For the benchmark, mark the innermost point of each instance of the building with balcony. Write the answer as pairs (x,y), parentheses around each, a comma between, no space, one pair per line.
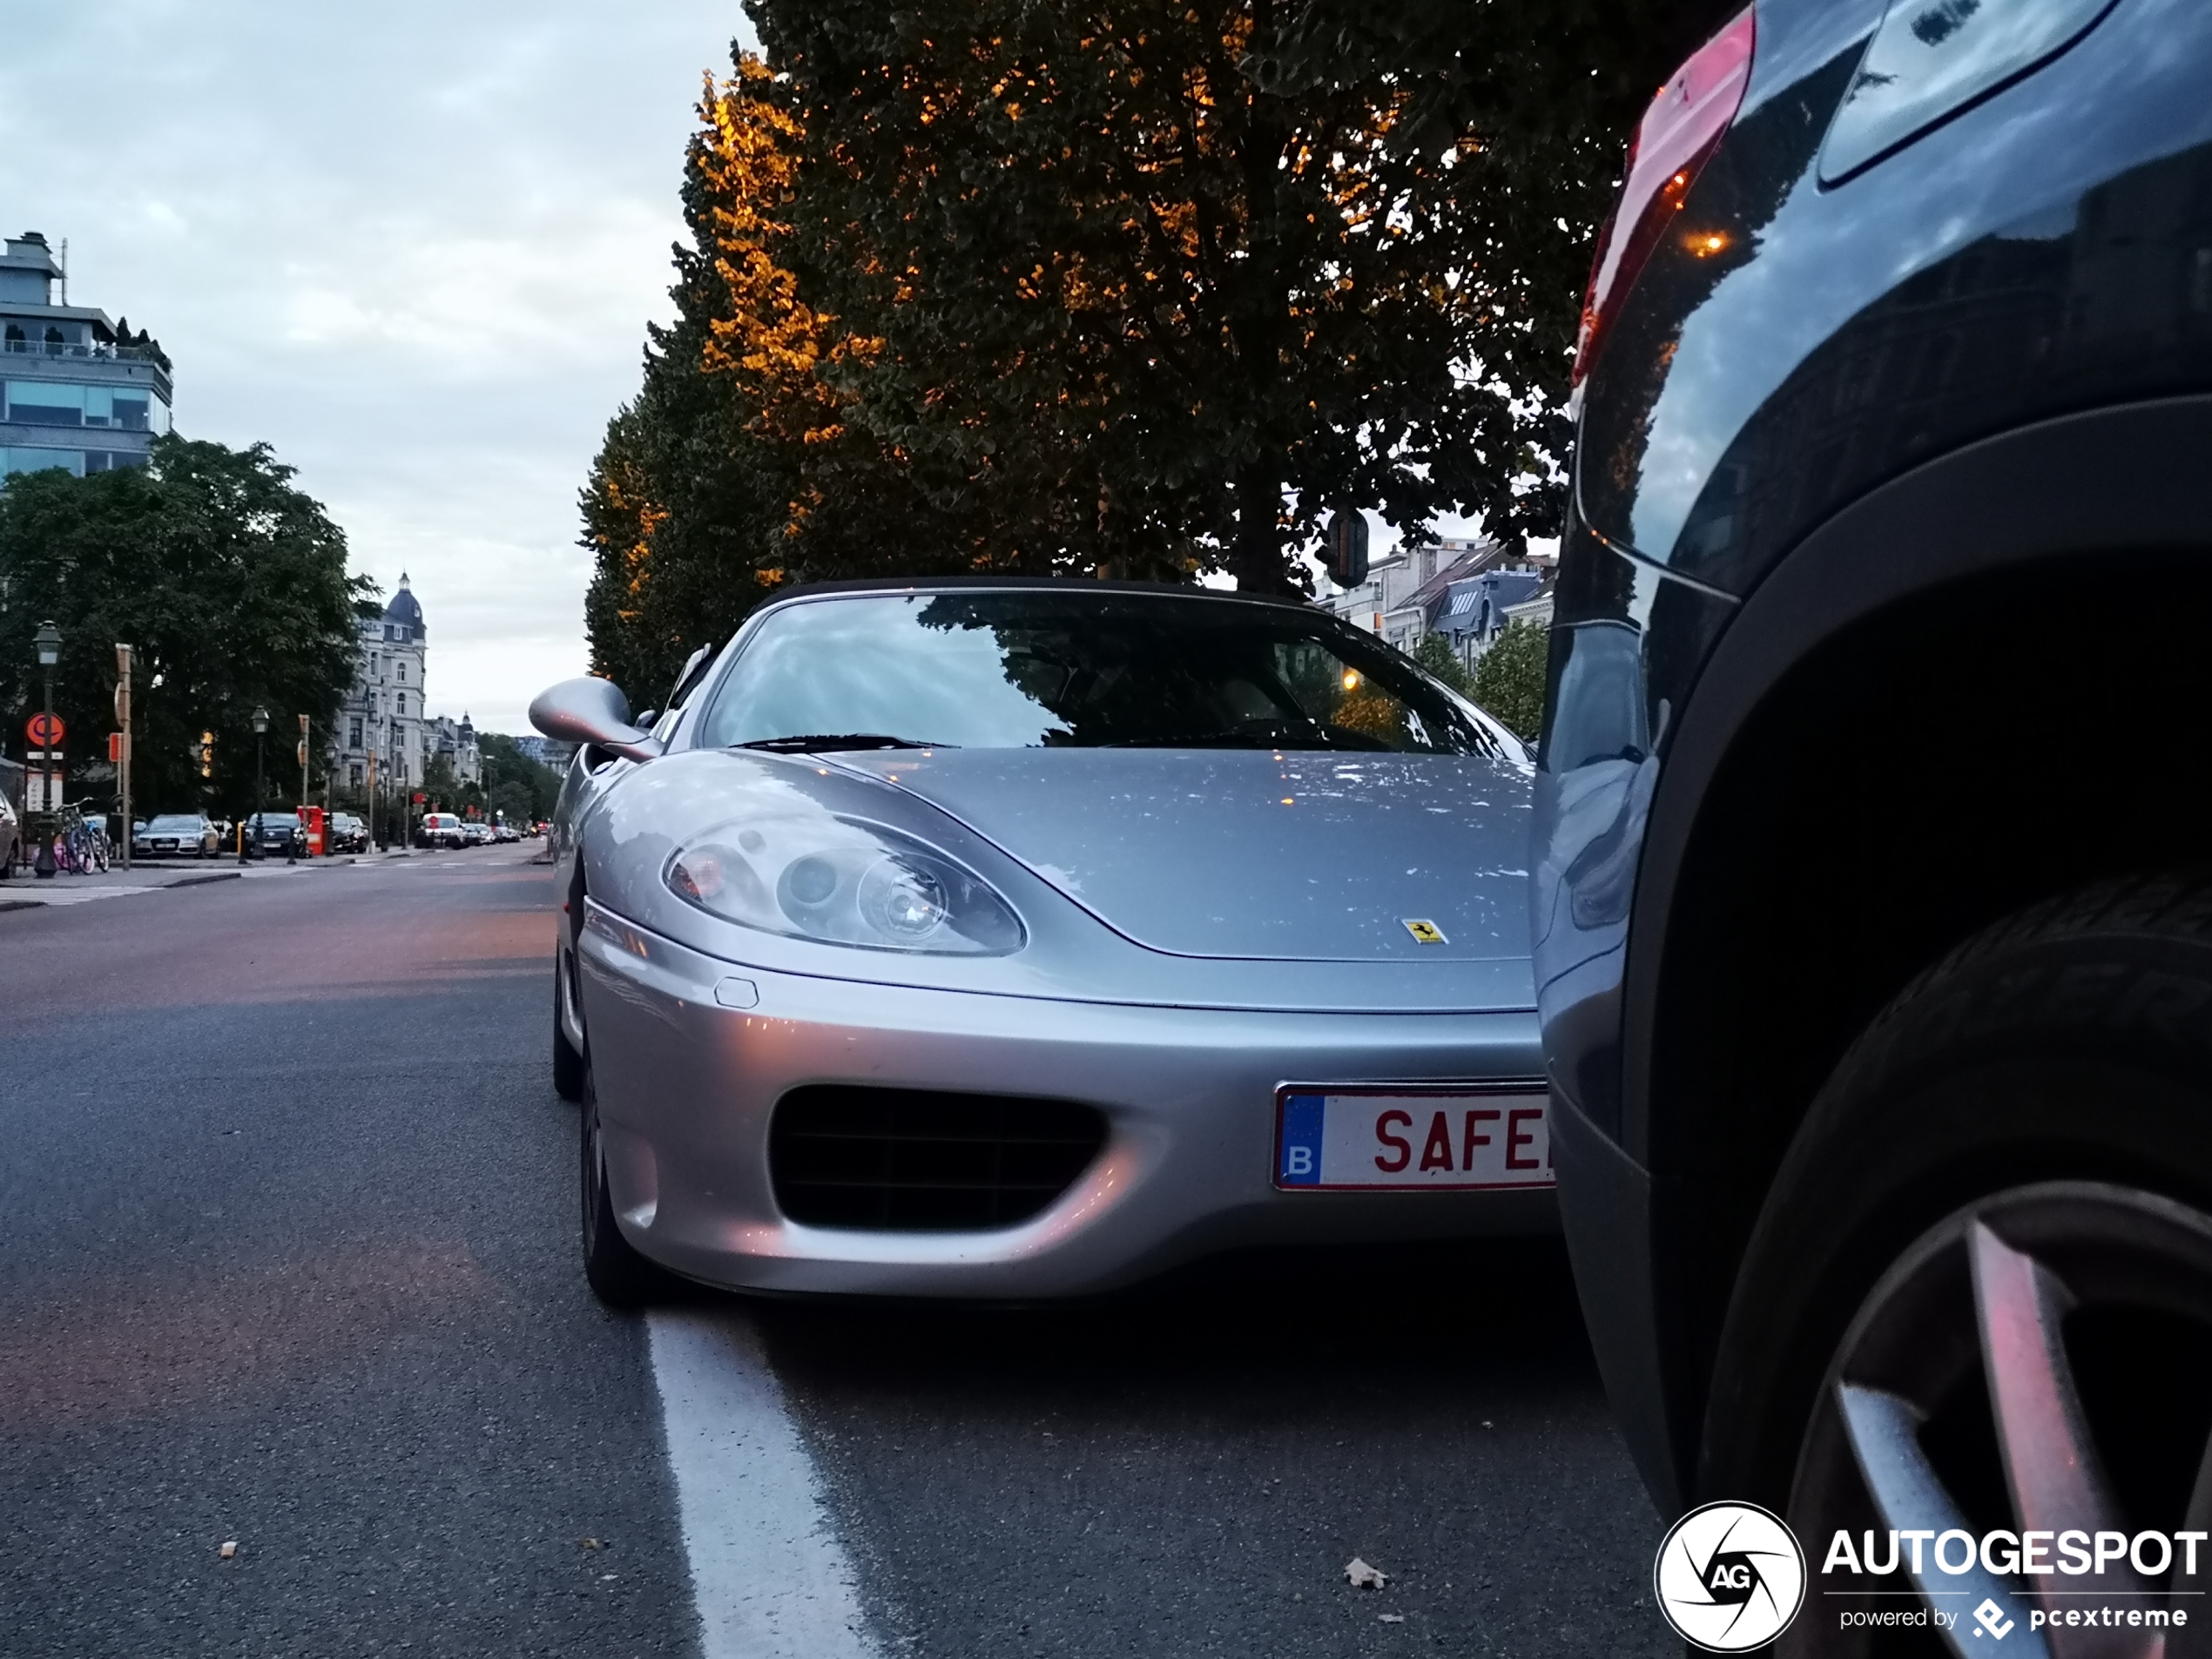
(78,390)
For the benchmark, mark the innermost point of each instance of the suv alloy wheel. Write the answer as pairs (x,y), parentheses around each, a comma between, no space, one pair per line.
(1981,1283)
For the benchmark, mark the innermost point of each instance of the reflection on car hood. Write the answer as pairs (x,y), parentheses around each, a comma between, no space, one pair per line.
(1304,855)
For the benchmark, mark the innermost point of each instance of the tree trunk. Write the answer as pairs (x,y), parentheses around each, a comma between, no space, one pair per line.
(1256,556)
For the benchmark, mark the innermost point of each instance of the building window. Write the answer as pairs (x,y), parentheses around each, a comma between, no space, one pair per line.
(354,773)
(353,738)
(401,669)
(400,705)
(43,403)
(22,460)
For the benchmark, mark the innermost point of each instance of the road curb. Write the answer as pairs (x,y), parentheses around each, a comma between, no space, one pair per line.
(201,881)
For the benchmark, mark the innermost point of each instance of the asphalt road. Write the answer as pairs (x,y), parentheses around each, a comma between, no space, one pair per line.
(289,1235)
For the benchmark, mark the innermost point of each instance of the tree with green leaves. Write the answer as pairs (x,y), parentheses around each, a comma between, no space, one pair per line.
(1508,677)
(516,784)
(229,581)
(1435,653)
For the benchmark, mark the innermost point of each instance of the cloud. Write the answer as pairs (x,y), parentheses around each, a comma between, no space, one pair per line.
(414,247)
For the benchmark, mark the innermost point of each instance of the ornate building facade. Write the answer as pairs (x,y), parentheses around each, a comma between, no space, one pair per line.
(385,716)
(382,718)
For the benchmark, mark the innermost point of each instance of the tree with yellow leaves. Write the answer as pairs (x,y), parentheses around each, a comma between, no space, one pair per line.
(1044,286)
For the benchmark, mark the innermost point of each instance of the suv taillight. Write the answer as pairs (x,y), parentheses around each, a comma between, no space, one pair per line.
(1672,143)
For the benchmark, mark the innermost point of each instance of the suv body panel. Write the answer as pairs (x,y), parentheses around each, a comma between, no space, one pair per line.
(1978,355)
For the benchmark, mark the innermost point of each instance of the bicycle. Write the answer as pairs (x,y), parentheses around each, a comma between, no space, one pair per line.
(81,847)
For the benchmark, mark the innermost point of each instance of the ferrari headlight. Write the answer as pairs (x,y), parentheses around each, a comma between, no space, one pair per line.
(843,882)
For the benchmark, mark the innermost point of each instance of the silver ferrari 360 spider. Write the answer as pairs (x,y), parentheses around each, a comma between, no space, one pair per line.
(1005,939)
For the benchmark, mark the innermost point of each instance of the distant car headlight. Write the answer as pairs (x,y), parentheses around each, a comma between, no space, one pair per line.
(843,882)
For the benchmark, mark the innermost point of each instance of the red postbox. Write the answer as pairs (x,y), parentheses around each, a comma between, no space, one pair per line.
(311,819)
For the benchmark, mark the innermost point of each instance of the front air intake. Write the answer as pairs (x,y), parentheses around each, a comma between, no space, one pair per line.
(916,1160)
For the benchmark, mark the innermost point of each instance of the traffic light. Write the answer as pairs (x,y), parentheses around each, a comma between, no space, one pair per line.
(207,754)
(1344,542)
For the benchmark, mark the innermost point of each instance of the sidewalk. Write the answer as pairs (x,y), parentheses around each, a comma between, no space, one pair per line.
(24,891)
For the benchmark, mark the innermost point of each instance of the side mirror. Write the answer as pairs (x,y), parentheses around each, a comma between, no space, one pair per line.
(592,712)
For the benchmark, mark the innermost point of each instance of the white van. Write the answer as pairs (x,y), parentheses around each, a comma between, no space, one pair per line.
(439,829)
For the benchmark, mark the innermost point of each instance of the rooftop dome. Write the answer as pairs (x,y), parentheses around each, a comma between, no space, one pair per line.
(404,609)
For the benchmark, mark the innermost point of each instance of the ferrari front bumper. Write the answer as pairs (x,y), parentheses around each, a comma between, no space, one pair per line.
(686,1085)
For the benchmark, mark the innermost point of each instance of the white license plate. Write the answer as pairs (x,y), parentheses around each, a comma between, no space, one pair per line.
(1402,1137)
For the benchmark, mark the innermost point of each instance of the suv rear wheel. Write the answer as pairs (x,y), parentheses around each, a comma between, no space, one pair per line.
(1987,1259)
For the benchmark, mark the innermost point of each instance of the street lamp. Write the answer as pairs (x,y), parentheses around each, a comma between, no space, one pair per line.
(260,719)
(49,641)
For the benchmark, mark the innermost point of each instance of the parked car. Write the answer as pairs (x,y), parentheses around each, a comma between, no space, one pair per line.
(439,830)
(346,833)
(504,832)
(474,832)
(176,835)
(10,836)
(1099,924)
(276,835)
(1873,948)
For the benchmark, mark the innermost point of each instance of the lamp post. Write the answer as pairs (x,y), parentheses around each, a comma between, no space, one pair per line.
(260,727)
(49,641)
(123,745)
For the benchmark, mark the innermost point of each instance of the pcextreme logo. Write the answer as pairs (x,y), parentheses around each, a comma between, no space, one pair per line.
(1730,1577)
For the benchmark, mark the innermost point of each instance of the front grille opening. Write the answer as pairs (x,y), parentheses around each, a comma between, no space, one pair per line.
(916,1160)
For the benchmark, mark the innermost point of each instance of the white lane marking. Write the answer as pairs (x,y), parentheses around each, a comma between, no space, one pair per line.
(770,1578)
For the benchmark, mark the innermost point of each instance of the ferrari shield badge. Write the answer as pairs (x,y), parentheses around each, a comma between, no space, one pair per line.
(1425,932)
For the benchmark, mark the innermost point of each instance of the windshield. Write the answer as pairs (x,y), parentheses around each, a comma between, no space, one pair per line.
(172,823)
(1039,669)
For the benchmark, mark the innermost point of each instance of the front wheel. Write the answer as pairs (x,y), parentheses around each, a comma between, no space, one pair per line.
(568,1064)
(618,1276)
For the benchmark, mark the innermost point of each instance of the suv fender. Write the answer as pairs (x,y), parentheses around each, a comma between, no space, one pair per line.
(1721,1059)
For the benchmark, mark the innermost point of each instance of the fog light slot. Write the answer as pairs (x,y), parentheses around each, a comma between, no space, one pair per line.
(915,1160)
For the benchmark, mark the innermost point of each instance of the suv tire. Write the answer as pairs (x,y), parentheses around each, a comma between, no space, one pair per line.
(2070,1044)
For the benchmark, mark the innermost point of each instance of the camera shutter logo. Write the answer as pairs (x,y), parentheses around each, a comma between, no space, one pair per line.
(1730,1577)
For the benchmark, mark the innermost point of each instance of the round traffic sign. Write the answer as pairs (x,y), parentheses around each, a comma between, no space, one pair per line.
(45,731)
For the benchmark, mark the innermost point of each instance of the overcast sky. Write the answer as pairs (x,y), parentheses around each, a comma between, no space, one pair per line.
(414,247)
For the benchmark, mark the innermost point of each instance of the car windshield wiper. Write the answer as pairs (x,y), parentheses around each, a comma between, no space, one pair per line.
(814,742)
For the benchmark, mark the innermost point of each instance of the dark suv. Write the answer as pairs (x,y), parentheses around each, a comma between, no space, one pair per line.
(276,835)
(1874,930)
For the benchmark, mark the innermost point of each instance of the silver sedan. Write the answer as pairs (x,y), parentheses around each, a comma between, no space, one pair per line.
(1006,940)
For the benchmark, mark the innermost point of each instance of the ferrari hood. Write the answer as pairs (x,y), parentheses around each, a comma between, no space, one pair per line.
(1302,855)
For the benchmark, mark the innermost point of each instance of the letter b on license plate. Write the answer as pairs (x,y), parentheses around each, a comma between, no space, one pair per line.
(1404,1138)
